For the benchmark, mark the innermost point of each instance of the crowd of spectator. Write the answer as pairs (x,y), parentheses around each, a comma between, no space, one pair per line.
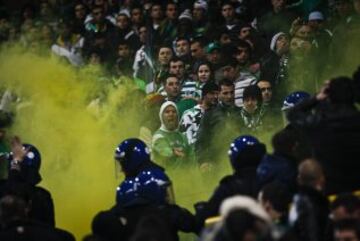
(211,76)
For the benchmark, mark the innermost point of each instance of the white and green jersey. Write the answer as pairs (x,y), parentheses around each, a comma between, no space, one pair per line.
(190,122)
(163,144)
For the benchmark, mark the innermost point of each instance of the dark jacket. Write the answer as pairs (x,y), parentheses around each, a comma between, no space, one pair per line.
(219,125)
(29,230)
(312,214)
(42,206)
(242,182)
(334,134)
(119,223)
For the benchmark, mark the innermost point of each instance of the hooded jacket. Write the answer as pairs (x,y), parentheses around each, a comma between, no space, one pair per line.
(165,141)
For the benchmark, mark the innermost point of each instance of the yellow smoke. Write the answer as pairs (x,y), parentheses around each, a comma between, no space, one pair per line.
(77,139)
(76,142)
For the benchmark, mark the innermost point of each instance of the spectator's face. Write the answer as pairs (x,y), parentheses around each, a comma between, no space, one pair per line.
(156,12)
(80,11)
(211,98)
(182,47)
(204,73)
(94,59)
(304,32)
(225,39)
(340,213)
(282,45)
(197,13)
(46,31)
(357,6)
(123,50)
(343,8)
(177,68)
(214,56)
(122,22)
(65,33)
(299,46)
(98,14)
(28,13)
(250,236)
(45,9)
(171,11)
(226,94)
(278,5)
(315,25)
(172,87)
(197,52)
(266,90)
(136,16)
(170,118)
(228,12)
(250,104)
(229,72)
(345,235)
(165,54)
(244,33)
(242,55)
(142,34)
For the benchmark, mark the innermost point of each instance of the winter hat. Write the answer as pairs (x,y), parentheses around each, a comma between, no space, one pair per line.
(201,4)
(211,47)
(246,204)
(316,16)
(274,39)
(125,12)
(162,109)
(186,15)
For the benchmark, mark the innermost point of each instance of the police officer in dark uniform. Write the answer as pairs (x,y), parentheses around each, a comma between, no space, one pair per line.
(146,191)
(25,161)
(245,154)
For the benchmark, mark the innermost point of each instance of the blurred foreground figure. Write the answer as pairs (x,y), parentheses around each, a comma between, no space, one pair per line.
(332,125)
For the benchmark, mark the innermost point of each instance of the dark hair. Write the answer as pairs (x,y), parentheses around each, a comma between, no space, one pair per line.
(170,76)
(201,40)
(348,224)
(230,62)
(243,44)
(253,91)
(164,45)
(278,195)
(347,200)
(176,59)
(226,82)
(341,91)
(228,2)
(200,63)
(182,38)
(123,42)
(209,87)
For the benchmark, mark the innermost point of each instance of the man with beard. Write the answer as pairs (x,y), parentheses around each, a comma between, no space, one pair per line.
(169,146)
